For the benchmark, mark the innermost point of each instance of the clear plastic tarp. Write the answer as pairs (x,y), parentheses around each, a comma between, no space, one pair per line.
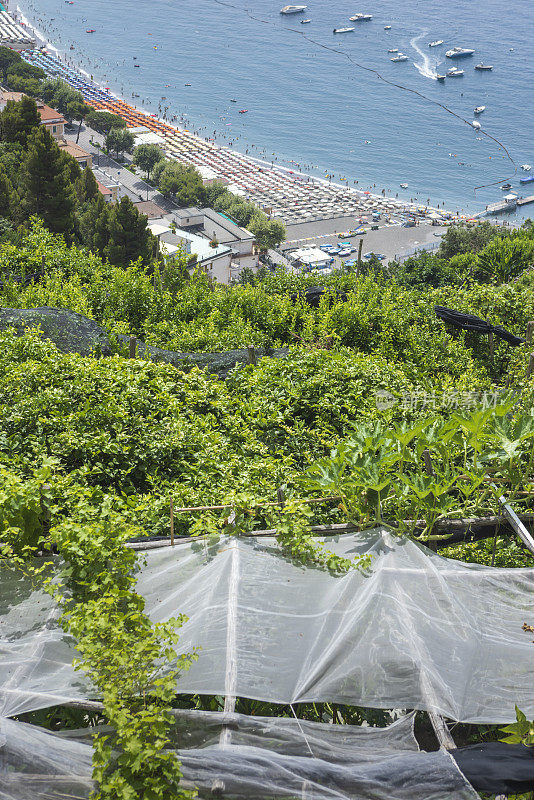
(416,631)
(247,757)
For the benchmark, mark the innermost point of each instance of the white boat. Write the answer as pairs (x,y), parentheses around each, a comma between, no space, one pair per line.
(476,125)
(361,17)
(436,43)
(484,67)
(400,57)
(480,109)
(526,167)
(403,185)
(455,73)
(459,52)
(305,21)
(343,30)
(293,9)
(387,27)
(394,50)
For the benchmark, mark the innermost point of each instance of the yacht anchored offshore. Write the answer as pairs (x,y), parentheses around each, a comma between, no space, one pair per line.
(400,57)
(293,9)
(459,52)
(361,17)
(436,43)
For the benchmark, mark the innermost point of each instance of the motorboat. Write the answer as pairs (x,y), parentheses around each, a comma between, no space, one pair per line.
(343,30)
(293,9)
(527,179)
(484,67)
(305,21)
(394,50)
(436,43)
(480,109)
(400,57)
(243,111)
(361,18)
(90,30)
(455,73)
(440,77)
(476,125)
(403,185)
(459,52)
(387,27)
(526,167)
(506,187)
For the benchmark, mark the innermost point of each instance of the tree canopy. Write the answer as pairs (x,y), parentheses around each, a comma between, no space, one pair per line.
(120,140)
(104,121)
(146,156)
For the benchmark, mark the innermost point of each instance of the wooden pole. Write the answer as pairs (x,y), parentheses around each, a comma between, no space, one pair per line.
(530,332)
(281,496)
(252,355)
(432,545)
(360,248)
(491,345)
(43,262)
(530,369)
(172,521)
(133,346)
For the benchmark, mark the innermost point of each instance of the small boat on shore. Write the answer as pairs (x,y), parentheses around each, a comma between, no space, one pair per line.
(343,30)
(400,57)
(455,73)
(480,109)
(436,43)
(484,67)
(293,9)
(459,52)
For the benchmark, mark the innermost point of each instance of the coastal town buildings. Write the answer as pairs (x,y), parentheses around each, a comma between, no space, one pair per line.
(214,225)
(83,158)
(53,121)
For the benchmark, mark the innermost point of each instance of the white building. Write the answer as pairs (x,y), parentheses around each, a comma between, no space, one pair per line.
(310,258)
(216,261)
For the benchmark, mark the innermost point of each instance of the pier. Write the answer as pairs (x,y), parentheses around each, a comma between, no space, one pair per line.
(524,201)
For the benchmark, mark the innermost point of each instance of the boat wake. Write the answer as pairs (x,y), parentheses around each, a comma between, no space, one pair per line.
(428,63)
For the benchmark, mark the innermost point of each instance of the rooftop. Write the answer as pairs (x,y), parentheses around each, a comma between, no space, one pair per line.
(150,209)
(48,114)
(73,149)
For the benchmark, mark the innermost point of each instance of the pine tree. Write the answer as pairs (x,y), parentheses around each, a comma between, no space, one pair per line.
(6,194)
(129,237)
(94,224)
(89,186)
(46,189)
(18,121)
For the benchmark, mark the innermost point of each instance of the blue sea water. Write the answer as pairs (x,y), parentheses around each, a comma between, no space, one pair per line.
(331,103)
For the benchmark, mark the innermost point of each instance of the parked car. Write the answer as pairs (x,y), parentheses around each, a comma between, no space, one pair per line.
(345,252)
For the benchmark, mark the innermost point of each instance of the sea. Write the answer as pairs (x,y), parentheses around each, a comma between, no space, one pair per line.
(331,104)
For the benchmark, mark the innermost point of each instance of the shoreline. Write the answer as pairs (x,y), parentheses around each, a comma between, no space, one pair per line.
(390,206)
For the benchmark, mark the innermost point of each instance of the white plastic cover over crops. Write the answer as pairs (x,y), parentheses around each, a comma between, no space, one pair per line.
(416,631)
(265,757)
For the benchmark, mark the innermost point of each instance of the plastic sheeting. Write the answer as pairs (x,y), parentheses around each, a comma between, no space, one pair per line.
(416,631)
(263,758)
